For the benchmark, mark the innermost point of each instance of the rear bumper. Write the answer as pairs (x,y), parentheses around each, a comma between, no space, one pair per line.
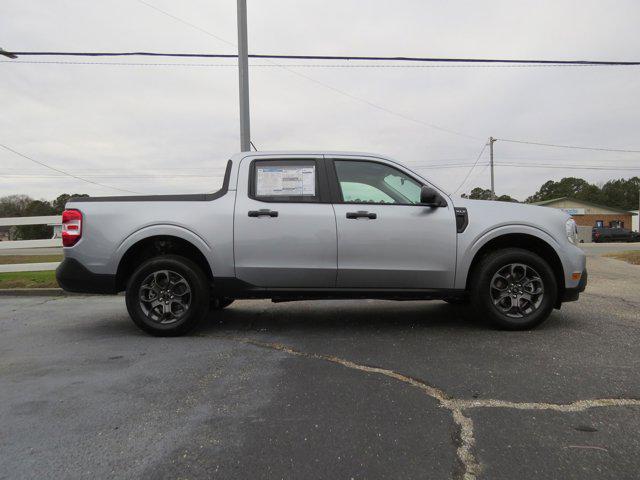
(75,277)
(572,294)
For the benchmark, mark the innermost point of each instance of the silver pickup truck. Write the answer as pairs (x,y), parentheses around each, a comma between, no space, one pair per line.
(300,225)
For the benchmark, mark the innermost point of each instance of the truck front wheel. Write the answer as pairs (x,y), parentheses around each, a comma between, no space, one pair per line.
(167,296)
(514,288)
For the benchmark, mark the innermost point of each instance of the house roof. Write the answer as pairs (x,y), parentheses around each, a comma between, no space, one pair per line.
(553,200)
(544,202)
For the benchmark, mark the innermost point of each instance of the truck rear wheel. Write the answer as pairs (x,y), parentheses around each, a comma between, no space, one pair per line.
(514,288)
(167,296)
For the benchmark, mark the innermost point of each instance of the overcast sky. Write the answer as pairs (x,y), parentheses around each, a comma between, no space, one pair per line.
(170,128)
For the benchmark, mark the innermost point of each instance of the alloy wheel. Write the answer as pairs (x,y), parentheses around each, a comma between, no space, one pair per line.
(517,290)
(165,296)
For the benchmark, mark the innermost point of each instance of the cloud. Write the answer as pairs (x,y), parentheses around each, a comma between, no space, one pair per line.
(171,128)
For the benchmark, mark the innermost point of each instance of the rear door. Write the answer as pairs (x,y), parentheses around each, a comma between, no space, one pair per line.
(386,239)
(284,225)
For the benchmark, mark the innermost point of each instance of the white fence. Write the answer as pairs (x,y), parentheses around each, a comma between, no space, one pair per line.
(54,221)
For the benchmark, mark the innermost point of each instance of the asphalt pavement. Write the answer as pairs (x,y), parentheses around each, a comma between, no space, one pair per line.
(333,389)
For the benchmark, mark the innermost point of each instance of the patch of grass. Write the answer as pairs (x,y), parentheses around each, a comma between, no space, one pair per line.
(28,280)
(632,257)
(14,259)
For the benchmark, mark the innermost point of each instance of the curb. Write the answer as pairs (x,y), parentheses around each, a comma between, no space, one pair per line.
(50,292)
(34,292)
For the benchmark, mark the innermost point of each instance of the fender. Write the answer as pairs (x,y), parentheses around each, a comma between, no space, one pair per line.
(470,251)
(161,230)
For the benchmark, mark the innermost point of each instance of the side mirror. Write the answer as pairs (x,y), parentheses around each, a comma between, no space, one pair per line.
(428,196)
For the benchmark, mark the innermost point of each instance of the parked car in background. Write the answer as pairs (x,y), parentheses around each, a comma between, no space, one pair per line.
(300,225)
(609,234)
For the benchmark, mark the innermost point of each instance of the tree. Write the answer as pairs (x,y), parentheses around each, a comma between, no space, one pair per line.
(59,203)
(25,206)
(14,205)
(30,232)
(480,193)
(622,193)
(567,187)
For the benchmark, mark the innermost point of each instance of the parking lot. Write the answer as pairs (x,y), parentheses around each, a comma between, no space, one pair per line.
(334,389)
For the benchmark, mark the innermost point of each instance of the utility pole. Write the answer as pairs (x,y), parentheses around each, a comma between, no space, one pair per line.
(493,190)
(243,77)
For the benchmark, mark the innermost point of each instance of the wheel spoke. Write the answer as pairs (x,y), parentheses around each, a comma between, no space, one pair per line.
(517,271)
(180,287)
(516,290)
(165,296)
(500,282)
(500,299)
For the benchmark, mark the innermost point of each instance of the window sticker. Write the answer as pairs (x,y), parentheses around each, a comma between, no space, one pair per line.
(285,181)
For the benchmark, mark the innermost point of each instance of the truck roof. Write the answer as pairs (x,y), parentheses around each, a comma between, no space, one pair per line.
(241,155)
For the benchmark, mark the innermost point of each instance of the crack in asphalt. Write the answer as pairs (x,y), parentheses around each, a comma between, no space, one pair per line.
(44,301)
(466,439)
(626,301)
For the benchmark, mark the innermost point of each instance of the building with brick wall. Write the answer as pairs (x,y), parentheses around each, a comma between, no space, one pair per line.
(588,215)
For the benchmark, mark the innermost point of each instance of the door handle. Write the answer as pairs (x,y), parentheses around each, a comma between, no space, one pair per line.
(265,212)
(362,214)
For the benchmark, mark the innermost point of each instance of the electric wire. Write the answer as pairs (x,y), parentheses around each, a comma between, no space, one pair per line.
(319,57)
(323,84)
(280,65)
(471,169)
(555,145)
(62,171)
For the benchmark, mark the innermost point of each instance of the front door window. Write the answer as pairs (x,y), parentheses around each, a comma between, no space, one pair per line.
(372,182)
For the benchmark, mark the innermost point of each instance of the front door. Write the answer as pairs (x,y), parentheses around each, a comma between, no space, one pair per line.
(284,225)
(386,239)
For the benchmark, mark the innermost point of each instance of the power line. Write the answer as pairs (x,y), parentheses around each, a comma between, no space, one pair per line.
(318,82)
(62,171)
(480,172)
(554,145)
(289,65)
(185,22)
(471,169)
(320,57)
(572,167)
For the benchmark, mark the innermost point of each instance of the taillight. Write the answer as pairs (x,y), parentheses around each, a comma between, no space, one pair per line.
(71,227)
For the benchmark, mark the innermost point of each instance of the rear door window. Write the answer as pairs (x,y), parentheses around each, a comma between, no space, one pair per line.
(284,181)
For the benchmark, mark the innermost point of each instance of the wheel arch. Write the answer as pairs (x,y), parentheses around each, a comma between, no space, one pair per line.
(527,240)
(152,242)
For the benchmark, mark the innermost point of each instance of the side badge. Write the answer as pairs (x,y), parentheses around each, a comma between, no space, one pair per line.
(462,219)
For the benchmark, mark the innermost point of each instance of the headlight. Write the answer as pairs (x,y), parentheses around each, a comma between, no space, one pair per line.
(572,231)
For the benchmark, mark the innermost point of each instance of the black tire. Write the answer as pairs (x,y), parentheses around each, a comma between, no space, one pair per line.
(197,296)
(218,303)
(489,269)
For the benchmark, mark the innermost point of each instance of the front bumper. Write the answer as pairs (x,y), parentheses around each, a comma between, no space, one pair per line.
(72,276)
(572,294)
